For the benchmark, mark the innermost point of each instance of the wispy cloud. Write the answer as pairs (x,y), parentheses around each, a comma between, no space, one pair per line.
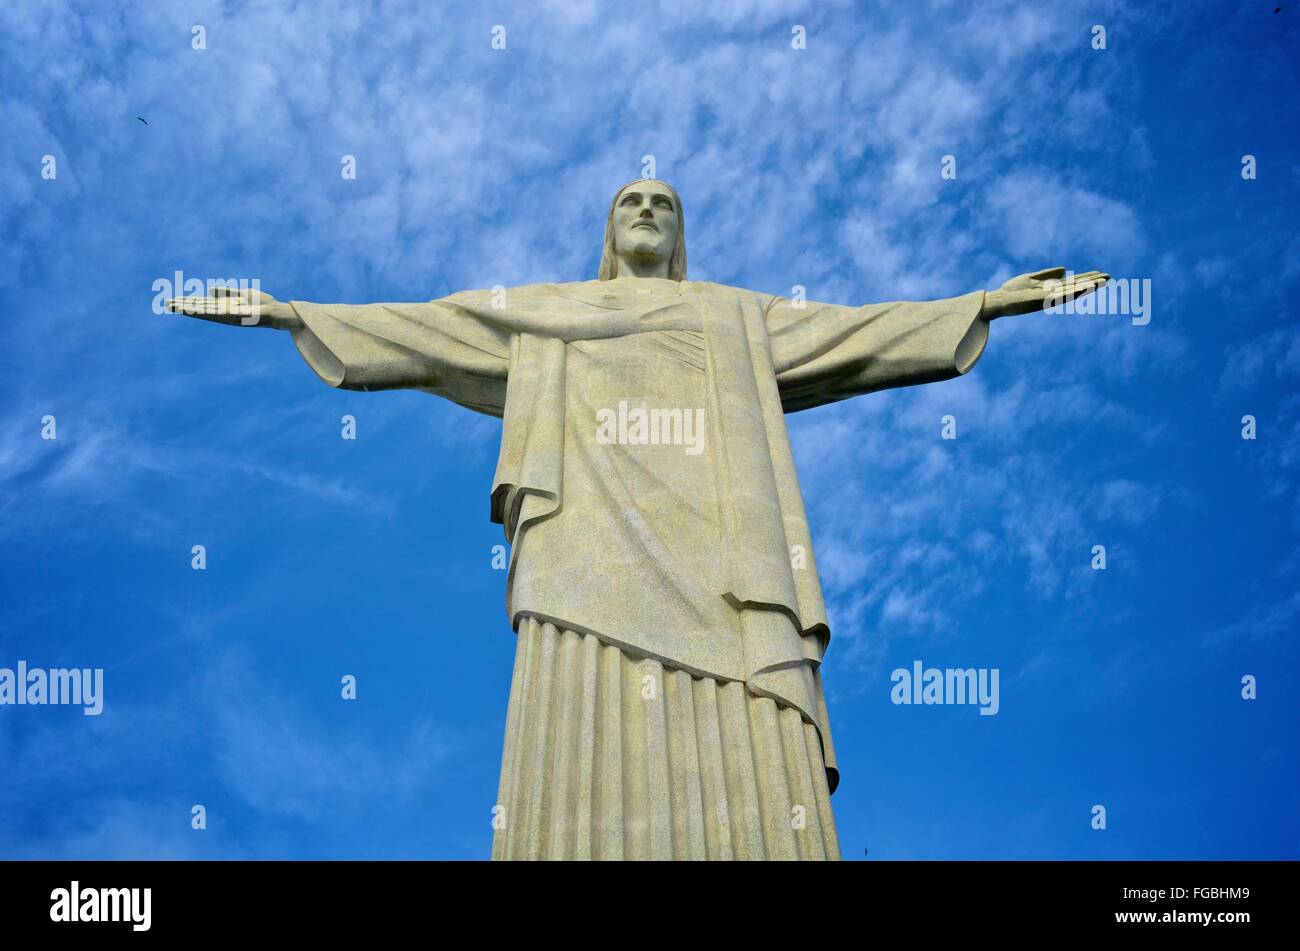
(279,760)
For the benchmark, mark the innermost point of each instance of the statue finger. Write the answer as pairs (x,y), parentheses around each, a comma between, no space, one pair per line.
(1095,278)
(1048,274)
(1079,288)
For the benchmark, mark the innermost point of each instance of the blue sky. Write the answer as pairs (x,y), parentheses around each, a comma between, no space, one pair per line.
(817,167)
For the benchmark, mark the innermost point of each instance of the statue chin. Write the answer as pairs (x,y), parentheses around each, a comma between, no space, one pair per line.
(647,251)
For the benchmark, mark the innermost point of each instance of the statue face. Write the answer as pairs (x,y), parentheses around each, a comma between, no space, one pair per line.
(645,222)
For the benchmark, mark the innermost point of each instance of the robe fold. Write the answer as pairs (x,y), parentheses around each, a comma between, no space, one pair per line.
(699,560)
(592,769)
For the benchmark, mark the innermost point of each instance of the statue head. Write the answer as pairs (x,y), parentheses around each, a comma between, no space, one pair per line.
(645,233)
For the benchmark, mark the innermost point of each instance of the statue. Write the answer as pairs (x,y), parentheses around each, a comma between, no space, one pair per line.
(666,700)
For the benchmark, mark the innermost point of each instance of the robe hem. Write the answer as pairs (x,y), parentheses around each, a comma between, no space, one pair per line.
(832,772)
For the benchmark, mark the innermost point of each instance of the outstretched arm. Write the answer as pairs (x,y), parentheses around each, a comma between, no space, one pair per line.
(823,353)
(449,347)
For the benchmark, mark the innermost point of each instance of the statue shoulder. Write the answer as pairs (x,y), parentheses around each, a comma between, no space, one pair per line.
(505,295)
(727,290)
(596,293)
(540,288)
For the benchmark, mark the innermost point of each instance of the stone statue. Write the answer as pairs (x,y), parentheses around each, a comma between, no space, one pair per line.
(666,699)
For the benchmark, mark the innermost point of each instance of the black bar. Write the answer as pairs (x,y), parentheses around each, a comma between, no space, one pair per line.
(870,899)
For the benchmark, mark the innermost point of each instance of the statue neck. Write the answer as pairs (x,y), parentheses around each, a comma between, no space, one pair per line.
(633,266)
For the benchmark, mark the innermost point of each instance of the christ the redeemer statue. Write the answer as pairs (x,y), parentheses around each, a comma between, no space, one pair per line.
(666,699)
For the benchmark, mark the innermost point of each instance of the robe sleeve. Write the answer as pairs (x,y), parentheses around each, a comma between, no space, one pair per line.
(823,353)
(449,347)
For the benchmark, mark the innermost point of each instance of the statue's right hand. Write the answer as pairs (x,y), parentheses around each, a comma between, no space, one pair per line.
(239,307)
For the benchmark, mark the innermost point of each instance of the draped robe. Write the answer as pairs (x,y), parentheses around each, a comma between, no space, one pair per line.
(700,562)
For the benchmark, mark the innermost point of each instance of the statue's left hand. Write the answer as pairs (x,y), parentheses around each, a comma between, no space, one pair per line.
(1032,292)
